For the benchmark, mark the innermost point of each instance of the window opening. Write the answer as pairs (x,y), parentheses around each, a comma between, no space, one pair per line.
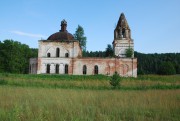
(84,69)
(57,52)
(95,69)
(66,69)
(57,69)
(48,69)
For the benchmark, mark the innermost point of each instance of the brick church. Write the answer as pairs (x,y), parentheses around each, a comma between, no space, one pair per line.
(62,54)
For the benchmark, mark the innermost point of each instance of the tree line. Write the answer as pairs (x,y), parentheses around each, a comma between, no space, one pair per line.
(165,63)
(14,58)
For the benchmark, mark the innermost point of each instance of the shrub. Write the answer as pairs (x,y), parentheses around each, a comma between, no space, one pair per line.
(129,52)
(115,80)
(166,68)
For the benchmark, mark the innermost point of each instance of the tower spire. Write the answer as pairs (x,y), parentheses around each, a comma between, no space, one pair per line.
(122,29)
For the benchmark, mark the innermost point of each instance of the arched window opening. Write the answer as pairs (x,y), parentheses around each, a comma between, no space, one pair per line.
(48,54)
(95,69)
(57,69)
(66,69)
(67,55)
(57,52)
(118,34)
(84,69)
(48,69)
(123,33)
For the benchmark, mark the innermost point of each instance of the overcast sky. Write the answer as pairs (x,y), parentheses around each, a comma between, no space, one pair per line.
(155,24)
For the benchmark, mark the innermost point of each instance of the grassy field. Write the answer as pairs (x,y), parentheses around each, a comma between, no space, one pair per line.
(97,82)
(88,98)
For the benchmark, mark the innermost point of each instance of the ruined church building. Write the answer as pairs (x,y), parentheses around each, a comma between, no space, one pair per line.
(62,54)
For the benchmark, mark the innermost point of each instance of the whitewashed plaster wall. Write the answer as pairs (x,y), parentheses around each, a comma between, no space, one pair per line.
(120,47)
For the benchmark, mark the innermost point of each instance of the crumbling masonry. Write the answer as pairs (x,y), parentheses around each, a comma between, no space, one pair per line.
(62,54)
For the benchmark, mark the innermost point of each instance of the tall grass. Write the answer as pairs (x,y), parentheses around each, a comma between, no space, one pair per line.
(43,104)
(97,82)
(88,98)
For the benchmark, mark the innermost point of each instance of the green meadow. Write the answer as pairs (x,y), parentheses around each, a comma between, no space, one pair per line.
(88,98)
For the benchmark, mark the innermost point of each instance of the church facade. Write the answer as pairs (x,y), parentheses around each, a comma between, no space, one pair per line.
(62,54)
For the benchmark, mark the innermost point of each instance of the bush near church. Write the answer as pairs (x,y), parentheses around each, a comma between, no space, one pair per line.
(129,52)
(115,80)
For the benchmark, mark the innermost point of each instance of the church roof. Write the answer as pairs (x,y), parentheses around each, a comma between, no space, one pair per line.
(62,35)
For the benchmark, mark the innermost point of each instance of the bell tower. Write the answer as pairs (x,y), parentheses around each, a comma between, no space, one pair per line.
(122,37)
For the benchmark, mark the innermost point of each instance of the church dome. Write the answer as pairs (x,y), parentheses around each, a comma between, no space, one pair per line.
(62,35)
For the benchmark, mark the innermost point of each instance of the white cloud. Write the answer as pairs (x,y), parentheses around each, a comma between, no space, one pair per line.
(28,34)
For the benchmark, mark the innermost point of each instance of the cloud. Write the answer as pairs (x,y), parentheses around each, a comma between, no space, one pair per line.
(28,34)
